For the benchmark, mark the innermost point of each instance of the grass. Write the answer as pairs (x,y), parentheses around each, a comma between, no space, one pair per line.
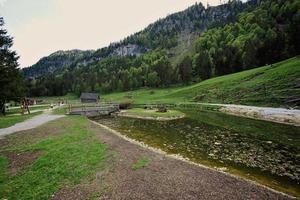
(141,163)
(152,113)
(61,110)
(3,163)
(10,120)
(54,99)
(271,85)
(69,157)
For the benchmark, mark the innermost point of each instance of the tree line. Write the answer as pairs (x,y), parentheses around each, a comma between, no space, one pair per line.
(259,36)
(11,80)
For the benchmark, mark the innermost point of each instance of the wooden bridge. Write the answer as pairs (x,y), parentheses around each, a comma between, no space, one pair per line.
(93,110)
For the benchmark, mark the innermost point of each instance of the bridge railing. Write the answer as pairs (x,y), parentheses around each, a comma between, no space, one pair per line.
(99,107)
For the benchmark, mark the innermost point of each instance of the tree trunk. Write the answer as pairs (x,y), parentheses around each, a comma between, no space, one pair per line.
(2,106)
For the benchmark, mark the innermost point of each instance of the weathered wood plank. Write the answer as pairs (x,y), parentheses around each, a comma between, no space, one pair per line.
(106,109)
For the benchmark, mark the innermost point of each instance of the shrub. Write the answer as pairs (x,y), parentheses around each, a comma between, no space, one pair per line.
(126,103)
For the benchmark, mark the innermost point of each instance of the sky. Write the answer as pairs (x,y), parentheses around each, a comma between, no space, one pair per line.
(41,27)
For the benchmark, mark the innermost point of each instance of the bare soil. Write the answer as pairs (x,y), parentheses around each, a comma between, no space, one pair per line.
(18,161)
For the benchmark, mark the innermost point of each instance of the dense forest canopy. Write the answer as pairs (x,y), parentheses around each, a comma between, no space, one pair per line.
(231,38)
(11,82)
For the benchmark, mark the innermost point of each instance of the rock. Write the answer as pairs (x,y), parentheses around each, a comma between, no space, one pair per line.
(162,109)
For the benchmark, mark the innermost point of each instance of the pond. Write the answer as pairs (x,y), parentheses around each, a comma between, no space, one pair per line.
(266,152)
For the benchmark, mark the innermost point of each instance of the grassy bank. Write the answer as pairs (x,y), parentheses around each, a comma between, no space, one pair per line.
(10,120)
(68,153)
(140,112)
(272,85)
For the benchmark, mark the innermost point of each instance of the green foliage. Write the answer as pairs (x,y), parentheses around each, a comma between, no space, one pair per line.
(3,163)
(202,65)
(11,82)
(185,69)
(60,111)
(125,103)
(153,113)
(141,163)
(106,70)
(152,79)
(259,37)
(272,85)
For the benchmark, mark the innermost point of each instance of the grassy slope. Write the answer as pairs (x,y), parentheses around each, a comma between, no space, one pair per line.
(69,154)
(266,86)
(55,99)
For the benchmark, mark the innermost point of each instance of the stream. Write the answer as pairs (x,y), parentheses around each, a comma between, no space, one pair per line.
(266,152)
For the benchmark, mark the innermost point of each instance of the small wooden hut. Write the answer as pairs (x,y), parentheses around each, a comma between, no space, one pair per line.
(89,97)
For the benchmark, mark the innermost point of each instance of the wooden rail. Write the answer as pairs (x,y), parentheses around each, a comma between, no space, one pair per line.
(93,110)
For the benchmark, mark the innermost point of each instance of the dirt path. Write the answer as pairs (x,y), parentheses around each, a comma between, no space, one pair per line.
(280,115)
(163,178)
(29,124)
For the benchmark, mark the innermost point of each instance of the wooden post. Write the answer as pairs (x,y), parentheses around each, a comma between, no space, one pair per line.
(22,107)
(27,107)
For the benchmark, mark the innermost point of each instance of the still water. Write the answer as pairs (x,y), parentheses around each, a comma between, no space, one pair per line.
(266,152)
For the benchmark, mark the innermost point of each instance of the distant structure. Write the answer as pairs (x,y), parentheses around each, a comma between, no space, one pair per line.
(89,97)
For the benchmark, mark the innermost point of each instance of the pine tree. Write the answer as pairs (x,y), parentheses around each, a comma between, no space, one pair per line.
(11,87)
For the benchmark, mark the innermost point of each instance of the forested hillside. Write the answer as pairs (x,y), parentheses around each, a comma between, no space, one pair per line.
(272,85)
(185,47)
(55,63)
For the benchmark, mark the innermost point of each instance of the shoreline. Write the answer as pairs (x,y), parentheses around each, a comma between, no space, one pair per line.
(186,160)
(277,115)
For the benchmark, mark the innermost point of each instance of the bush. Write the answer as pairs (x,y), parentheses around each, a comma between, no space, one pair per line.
(125,104)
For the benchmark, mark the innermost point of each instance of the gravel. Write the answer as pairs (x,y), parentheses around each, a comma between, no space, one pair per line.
(29,124)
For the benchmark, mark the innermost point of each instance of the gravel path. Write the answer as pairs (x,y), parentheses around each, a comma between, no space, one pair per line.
(163,178)
(280,115)
(29,124)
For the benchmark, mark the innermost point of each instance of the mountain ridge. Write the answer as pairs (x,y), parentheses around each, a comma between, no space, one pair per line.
(160,34)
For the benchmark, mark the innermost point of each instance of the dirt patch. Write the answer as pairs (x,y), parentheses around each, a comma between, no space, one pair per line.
(18,161)
(70,194)
(165,177)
